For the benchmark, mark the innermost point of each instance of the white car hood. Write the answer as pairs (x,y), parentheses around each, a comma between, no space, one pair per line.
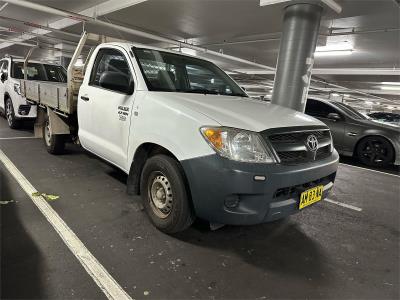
(243,113)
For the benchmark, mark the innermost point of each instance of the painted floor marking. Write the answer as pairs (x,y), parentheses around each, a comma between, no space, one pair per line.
(384,173)
(18,138)
(343,204)
(103,279)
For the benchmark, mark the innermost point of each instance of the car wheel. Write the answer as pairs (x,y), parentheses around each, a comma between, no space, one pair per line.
(165,196)
(55,143)
(375,151)
(13,123)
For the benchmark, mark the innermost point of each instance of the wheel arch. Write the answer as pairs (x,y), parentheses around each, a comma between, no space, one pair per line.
(375,135)
(142,154)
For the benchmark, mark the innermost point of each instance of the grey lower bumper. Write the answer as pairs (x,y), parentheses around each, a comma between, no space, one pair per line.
(215,182)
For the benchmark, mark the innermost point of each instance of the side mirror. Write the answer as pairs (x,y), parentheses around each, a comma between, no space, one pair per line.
(334,117)
(3,76)
(243,88)
(117,82)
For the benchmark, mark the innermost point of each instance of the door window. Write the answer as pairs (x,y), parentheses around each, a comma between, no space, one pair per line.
(319,109)
(109,60)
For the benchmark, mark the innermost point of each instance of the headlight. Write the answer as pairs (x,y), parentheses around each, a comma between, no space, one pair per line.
(237,144)
(17,88)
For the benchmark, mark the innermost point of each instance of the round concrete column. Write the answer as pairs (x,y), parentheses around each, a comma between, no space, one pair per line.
(296,55)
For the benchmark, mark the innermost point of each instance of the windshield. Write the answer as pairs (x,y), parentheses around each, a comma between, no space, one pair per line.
(350,111)
(168,72)
(41,72)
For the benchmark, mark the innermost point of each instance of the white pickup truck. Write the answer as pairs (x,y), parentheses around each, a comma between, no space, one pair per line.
(12,104)
(193,143)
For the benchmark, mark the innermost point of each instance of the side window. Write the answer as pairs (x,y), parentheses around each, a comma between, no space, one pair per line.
(319,109)
(110,61)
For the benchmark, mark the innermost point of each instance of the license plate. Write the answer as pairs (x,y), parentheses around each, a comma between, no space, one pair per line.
(311,196)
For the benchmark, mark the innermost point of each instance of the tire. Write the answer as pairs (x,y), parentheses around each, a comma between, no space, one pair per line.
(13,123)
(55,143)
(375,151)
(165,195)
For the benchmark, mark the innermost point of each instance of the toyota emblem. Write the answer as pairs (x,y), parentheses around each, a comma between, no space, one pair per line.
(312,143)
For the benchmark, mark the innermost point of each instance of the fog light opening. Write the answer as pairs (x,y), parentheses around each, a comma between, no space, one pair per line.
(232,201)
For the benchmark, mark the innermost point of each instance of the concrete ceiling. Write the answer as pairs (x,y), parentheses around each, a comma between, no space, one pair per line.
(239,28)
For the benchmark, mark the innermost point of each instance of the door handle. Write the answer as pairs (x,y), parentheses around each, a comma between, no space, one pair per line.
(84,98)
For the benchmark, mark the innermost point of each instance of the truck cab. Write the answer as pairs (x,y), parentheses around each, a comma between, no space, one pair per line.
(12,104)
(194,144)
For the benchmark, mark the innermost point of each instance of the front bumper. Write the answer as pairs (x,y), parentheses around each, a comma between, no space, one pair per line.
(216,183)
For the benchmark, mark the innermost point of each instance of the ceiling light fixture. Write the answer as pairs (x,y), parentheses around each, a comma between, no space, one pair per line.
(390,88)
(334,53)
(391,83)
(338,49)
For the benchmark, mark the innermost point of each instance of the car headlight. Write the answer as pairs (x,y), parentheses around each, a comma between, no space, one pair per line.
(17,88)
(237,144)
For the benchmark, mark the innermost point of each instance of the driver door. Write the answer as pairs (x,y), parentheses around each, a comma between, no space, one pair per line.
(107,111)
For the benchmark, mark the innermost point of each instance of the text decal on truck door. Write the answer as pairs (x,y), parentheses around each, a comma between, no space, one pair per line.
(123,112)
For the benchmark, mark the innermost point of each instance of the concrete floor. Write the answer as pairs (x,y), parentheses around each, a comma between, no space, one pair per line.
(327,251)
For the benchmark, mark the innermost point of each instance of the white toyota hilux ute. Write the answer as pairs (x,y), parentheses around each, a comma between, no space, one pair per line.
(193,143)
(12,104)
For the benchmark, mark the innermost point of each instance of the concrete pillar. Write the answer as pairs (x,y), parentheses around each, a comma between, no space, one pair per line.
(296,55)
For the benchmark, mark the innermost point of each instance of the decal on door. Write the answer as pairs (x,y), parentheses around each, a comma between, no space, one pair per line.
(123,112)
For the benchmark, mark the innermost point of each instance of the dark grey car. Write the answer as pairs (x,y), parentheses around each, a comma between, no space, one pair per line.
(374,144)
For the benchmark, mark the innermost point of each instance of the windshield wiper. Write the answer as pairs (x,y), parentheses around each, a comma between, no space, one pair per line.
(202,91)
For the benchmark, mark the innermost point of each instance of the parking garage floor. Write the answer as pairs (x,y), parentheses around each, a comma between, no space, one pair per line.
(345,248)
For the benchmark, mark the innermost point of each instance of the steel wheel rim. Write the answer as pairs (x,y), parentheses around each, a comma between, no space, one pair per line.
(9,113)
(47,133)
(160,195)
(375,151)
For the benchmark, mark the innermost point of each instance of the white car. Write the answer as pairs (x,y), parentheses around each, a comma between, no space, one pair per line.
(12,104)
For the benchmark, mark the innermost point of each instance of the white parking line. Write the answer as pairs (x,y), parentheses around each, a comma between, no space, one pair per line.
(103,279)
(343,204)
(18,138)
(380,172)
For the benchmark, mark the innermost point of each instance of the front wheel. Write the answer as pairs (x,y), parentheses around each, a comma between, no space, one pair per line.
(13,123)
(55,143)
(375,151)
(165,195)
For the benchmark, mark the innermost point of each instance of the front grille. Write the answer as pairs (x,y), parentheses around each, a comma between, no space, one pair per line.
(290,144)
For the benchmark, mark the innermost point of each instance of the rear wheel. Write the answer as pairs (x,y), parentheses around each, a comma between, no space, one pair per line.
(55,143)
(375,151)
(13,123)
(165,195)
